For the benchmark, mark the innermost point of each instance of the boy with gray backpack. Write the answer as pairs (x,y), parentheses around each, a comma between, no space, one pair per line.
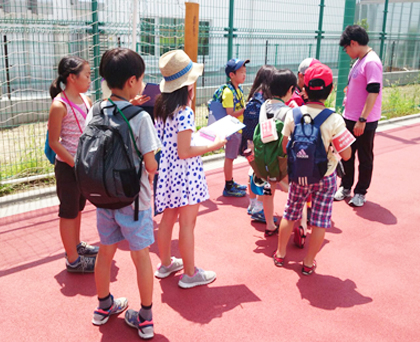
(308,133)
(115,151)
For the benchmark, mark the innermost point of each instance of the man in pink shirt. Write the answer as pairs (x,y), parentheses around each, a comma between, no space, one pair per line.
(362,111)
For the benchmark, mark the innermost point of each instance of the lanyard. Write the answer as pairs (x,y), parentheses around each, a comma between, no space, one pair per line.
(75,116)
(277,98)
(129,127)
(120,97)
(317,103)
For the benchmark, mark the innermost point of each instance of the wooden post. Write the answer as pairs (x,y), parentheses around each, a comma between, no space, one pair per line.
(191,36)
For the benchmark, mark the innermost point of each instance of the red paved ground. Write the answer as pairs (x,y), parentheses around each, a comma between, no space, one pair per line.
(365,287)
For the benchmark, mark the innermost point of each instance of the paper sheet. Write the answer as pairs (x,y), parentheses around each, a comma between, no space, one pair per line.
(223,128)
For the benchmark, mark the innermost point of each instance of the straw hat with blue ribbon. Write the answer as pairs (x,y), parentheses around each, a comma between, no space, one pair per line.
(178,71)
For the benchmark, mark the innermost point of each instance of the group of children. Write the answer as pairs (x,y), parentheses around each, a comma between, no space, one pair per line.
(181,184)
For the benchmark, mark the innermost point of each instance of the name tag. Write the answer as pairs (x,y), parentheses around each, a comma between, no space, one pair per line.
(268,131)
(343,140)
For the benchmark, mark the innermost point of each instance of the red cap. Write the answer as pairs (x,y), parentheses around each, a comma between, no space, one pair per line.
(318,76)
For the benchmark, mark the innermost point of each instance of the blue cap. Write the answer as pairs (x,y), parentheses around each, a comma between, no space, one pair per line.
(234,64)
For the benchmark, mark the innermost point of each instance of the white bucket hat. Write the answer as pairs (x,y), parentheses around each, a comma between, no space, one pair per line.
(178,71)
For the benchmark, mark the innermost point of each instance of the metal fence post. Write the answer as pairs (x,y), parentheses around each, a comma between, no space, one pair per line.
(343,58)
(383,33)
(319,31)
(230,29)
(96,50)
(192,25)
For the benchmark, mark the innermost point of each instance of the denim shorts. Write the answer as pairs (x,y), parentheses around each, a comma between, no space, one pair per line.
(322,201)
(233,145)
(115,225)
(71,200)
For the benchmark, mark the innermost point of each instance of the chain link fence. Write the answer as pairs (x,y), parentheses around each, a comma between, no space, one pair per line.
(35,35)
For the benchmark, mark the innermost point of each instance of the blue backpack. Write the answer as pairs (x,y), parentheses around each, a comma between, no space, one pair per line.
(251,116)
(216,110)
(307,160)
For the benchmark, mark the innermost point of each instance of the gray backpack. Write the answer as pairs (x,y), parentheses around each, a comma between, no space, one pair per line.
(104,164)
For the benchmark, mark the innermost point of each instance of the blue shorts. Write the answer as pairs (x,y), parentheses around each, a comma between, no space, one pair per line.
(115,225)
(232,146)
(322,201)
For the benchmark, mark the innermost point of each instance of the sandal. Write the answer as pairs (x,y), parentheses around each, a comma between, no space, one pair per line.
(299,236)
(279,262)
(268,233)
(306,270)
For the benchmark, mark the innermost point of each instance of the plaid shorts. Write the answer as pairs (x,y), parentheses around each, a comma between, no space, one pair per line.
(322,201)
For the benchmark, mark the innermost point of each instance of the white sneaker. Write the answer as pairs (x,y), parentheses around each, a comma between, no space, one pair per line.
(258,206)
(342,194)
(200,277)
(358,200)
(165,271)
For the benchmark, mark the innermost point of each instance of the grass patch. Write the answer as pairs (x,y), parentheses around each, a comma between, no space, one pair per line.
(400,101)
(8,189)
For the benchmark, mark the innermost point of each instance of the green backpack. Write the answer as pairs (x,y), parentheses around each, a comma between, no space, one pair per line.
(270,160)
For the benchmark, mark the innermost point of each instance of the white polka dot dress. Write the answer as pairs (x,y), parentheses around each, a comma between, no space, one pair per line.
(181,182)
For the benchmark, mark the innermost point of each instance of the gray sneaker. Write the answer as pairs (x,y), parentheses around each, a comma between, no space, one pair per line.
(101,316)
(358,200)
(200,277)
(85,265)
(165,271)
(87,250)
(342,194)
(145,328)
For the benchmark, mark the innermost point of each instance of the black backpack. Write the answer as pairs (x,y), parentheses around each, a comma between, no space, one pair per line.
(104,164)
(307,160)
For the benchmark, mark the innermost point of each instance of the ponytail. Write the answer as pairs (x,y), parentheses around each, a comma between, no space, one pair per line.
(68,65)
(55,87)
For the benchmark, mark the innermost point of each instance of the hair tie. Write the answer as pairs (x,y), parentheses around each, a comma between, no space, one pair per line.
(61,85)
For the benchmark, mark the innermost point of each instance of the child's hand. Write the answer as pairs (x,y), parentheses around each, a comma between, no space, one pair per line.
(139,100)
(218,143)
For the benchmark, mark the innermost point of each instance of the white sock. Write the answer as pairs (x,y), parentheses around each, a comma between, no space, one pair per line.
(258,206)
(252,202)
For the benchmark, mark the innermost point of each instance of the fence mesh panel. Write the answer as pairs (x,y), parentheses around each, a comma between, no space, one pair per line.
(36,34)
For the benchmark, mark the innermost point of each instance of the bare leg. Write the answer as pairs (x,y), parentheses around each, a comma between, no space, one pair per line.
(228,169)
(303,222)
(79,223)
(144,270)
(268,204)
(315,244)
(103,269)
(187,219)
(69,231)
(164,235)
(286,228)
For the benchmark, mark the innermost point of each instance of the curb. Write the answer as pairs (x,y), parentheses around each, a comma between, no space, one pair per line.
(399,119)
(45,192)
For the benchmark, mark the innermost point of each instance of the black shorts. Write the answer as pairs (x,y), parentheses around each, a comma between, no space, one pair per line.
(71,200)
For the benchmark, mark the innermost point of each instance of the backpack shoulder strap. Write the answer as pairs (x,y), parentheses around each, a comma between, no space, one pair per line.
(258,97)
(96,108)
(321,117)
(297,115)
(235,94)
(131,111)
(263,113)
